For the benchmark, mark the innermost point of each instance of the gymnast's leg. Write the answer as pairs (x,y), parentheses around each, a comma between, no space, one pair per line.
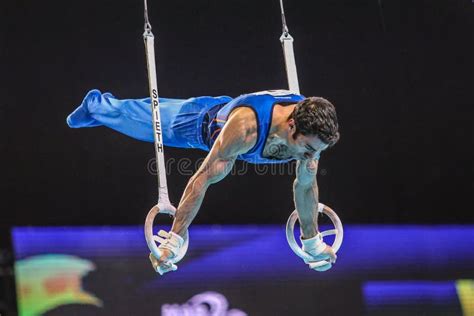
(131,117)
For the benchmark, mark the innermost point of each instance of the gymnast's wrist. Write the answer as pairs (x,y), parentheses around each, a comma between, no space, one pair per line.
(314,245)
(302,184)
(311,235)
(179,229)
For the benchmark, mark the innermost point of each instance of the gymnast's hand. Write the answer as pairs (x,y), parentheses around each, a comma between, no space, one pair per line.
(170,245)
(322,254)
(162,264)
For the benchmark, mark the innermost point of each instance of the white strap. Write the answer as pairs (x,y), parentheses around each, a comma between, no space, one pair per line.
(290,64)
(171,241)
(155,106)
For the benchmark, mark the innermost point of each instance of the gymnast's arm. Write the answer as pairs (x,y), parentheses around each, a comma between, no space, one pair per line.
(237,137)
(306,196)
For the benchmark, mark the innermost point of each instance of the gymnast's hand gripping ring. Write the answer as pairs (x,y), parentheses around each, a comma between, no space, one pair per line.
(338,231)
(152,239)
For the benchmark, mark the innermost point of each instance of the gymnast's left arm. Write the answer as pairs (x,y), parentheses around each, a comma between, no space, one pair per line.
(306,196)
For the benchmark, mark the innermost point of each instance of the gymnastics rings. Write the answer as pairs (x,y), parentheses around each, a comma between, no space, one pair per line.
(338,231)
(152,239)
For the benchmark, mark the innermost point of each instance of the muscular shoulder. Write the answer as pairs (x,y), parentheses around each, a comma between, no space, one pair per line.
(239,133)
(244,121)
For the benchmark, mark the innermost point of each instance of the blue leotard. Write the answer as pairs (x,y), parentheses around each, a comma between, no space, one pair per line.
(186,123)
(262,104)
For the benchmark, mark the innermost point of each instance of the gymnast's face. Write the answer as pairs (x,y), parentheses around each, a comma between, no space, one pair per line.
(304,146)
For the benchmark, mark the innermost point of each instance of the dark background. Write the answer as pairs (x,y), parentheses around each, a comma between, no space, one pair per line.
(399,72)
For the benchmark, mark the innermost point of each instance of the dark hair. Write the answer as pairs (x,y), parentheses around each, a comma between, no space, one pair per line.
(316,116)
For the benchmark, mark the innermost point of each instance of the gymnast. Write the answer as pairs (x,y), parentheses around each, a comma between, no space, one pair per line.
(274,126)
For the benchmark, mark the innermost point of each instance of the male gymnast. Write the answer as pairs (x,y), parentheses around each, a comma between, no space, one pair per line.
(265,127)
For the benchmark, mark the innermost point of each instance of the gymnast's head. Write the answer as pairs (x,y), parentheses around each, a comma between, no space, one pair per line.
(313,127)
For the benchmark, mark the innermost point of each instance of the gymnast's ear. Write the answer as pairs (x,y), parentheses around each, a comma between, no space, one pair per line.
(291,123)
(292,128)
